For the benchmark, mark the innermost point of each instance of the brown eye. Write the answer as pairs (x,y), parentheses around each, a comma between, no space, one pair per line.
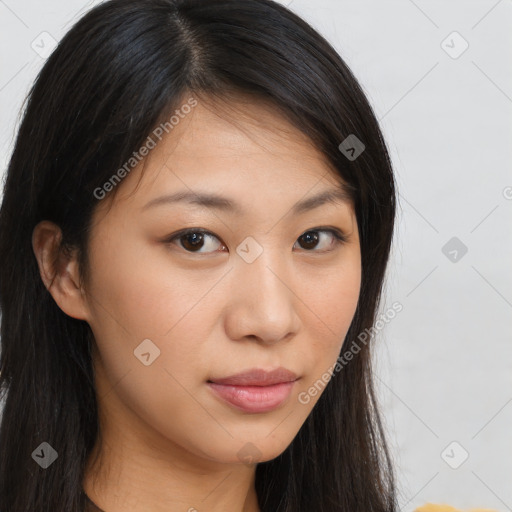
(195,240)
(312,238)
(192,241)
(309,239)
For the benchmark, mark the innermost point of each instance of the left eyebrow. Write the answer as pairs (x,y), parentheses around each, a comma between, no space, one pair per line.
(328,196)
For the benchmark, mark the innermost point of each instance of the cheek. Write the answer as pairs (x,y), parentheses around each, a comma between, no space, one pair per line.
(139,290)
(334,298)
(136,297)
(332,305)
(139,298)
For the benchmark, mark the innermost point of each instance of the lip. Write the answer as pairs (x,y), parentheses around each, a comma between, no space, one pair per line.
(257,377)
(256,390)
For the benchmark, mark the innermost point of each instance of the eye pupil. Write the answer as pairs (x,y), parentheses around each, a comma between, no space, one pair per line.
(310,238)
(196,243)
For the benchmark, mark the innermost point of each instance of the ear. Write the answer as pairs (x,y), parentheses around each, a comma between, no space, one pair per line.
(59,270)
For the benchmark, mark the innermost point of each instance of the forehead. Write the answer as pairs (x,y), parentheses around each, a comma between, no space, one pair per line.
(245,148)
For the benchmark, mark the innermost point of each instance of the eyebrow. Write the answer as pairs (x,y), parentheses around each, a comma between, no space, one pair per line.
(329,196)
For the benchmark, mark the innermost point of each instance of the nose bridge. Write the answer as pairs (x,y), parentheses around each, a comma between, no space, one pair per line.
(265,275)
(263,301)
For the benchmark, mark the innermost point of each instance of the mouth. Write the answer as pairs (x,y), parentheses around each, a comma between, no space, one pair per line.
(257,377)
(256,390)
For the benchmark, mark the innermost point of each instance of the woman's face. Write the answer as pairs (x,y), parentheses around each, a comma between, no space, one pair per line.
(268,286)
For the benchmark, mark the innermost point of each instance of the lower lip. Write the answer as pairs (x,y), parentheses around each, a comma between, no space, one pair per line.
(253,398)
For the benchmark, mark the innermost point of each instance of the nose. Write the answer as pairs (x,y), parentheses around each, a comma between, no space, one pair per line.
(262,303)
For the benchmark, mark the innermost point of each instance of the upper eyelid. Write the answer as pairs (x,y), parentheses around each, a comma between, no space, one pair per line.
(206,232)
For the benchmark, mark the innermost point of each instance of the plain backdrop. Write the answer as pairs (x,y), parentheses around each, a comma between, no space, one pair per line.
(439,77)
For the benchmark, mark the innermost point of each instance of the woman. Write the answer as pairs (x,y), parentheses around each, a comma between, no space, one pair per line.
(195,228)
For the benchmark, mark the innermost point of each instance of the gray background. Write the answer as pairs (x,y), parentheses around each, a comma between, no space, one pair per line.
(444,363)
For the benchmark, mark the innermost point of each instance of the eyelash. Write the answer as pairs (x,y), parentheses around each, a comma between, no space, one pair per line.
(340,238)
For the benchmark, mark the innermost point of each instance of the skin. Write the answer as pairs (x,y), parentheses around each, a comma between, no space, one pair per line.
(170,444)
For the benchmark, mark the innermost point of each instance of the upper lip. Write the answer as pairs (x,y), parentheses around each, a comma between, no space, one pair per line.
(258,377)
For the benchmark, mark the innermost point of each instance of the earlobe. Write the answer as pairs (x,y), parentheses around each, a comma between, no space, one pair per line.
(59,270)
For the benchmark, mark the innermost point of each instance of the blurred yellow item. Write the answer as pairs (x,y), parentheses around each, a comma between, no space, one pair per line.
(432,507)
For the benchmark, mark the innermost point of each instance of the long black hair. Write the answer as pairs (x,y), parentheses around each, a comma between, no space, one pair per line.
(119,72)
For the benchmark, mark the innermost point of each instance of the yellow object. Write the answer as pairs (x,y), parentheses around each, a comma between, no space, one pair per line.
(432,507)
